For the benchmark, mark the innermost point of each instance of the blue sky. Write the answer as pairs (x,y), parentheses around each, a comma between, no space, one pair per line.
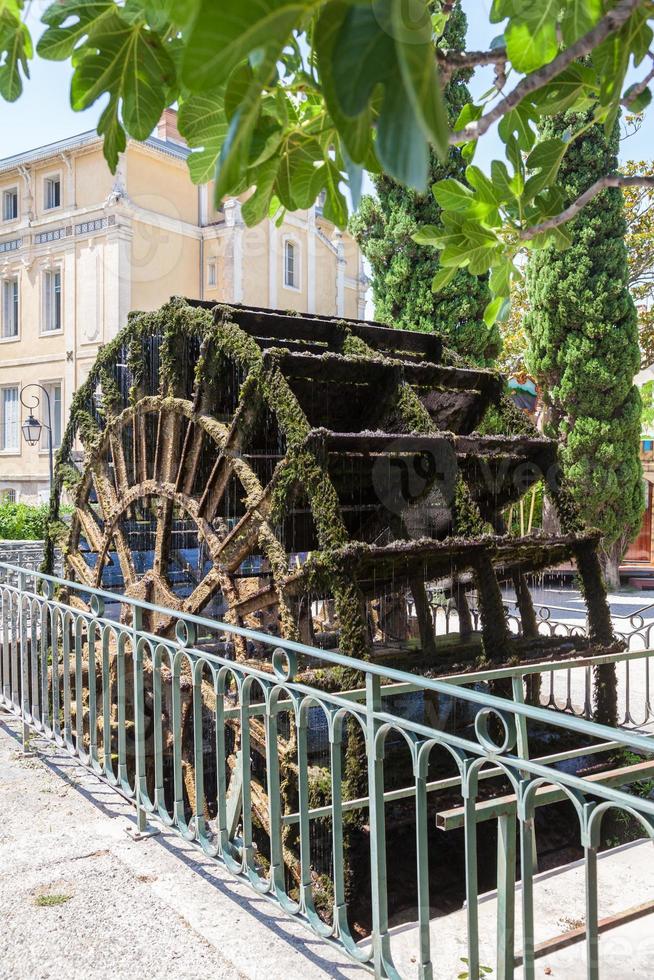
(43,112)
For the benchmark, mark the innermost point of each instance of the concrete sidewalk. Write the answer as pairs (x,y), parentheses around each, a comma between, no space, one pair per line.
(79,898)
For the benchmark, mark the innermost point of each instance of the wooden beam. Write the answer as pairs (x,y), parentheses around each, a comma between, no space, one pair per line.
(577,935)
(544,796)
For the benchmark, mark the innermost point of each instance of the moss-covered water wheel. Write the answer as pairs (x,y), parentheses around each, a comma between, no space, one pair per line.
(310,477)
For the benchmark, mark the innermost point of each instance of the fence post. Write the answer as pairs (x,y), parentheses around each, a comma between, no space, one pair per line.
(142,827)
(592,964)
(24,665)
(469,792)
(506,867)
(378,883)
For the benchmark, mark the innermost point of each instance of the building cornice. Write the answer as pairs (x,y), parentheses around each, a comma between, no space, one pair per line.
(82,140)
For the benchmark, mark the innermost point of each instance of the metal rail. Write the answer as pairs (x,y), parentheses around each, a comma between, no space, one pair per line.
(177,726)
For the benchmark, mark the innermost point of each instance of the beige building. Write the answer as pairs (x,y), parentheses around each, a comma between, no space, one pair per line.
(80,247)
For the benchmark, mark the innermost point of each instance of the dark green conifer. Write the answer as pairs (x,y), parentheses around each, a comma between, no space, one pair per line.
(583,336)
(402,272)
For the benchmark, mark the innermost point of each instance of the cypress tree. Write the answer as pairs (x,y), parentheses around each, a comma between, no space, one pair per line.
(402,272)
(583,346)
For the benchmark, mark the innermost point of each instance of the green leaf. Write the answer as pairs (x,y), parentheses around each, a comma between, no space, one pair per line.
(500,10)
(203,124)
(562,239)
(529,47)
(485,189)
(478,235)
(163,13)
(469,113)
(639,102)
(480,260)
(579,17)
(130,63)
(501,180)
(401,144)
(299,180)
(442,278)
(355,133)
(577,82)
(110,128)
(266,140)
(546,157)
(363,56)
(237,87)
(427,235)
(226,33)
(500,278)
(355,179)
(468,151)
(15,50)
(257,206)
(412,30)
(519,122)
(78,17)
(239,145)
(335,207)
(492,310)
(452,195)
(456,254)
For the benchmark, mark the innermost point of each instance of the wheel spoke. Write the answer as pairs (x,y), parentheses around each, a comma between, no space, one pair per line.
(140,448)
(118,459)
(104,491)
(162,538)
(81,569)
(190,458)
(217,483)
(168,447)
(205,590)
(90,527)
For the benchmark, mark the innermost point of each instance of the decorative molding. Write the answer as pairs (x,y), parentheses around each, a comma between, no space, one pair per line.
(233,220)
(340,272)
(26,174)
(118,191)
(54,235)
(323,238)
(311,261)
(273,264)
(11,245)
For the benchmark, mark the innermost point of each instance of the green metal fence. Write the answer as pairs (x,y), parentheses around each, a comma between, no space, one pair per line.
(286,766)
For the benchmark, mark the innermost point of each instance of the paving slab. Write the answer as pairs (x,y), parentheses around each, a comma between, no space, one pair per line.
(79,898)
(626,880)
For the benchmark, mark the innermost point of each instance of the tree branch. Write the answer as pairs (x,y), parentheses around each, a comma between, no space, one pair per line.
(452,61)
(608,25)
(639,88)
(573,209)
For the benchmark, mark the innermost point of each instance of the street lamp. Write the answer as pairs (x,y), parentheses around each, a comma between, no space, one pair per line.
(32,427)
(31,430)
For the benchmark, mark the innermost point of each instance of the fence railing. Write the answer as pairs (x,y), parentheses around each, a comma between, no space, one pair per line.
(333,786)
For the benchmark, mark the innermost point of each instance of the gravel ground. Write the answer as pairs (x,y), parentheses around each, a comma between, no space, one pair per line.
(80,899)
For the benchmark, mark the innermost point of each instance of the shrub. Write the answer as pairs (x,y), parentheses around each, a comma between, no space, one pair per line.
(23,522)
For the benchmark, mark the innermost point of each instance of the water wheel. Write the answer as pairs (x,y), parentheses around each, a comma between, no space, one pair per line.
(304,476)
(296,474)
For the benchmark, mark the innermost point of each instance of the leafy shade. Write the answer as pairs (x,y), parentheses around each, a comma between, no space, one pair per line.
(298,97)
(584,347)
(402,271)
